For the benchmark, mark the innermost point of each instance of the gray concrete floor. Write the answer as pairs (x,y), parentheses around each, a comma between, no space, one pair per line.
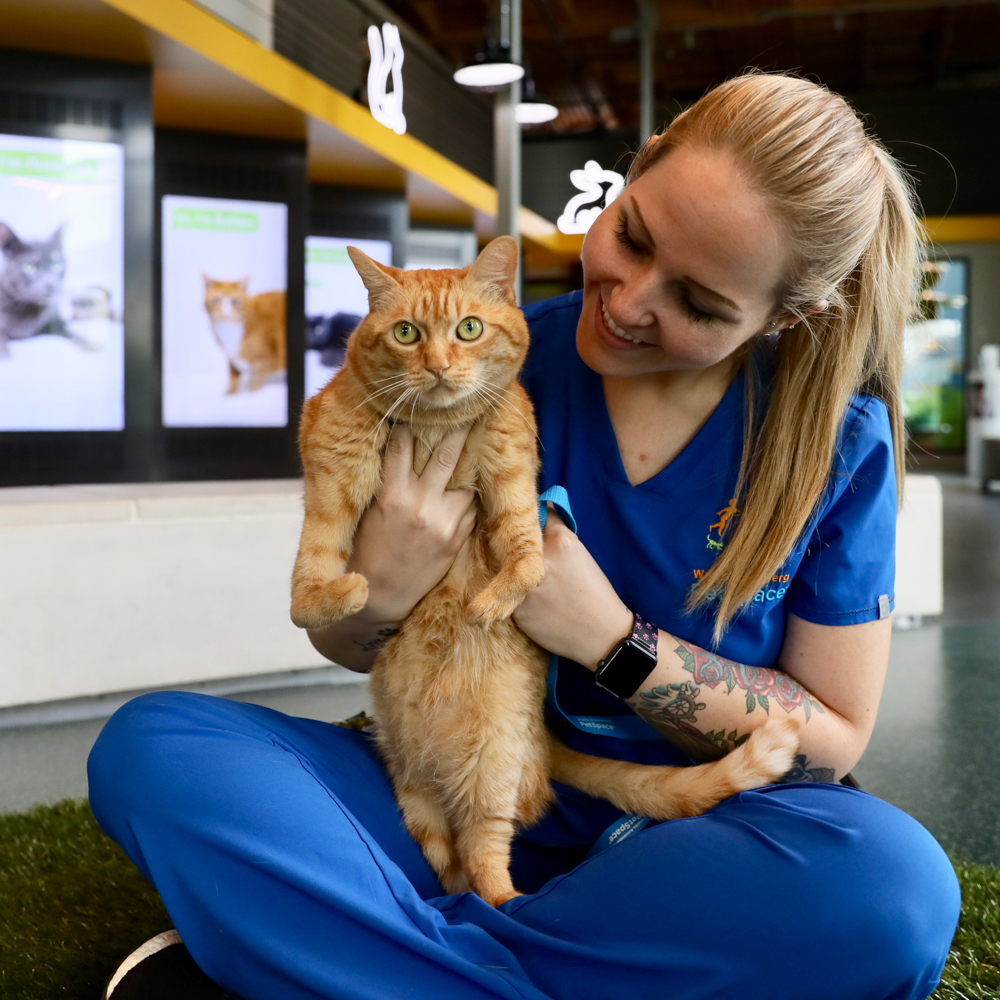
(40,764)
(934,752)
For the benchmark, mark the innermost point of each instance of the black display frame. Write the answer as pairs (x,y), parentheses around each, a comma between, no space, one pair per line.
(360,214)
(211,165)
(64,97)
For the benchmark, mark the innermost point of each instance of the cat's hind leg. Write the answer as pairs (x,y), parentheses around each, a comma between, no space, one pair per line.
(484,848)
(428,826)
(483,815)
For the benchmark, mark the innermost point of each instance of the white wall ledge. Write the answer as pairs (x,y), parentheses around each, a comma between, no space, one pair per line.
(121,588)
(130,587)
(23,506)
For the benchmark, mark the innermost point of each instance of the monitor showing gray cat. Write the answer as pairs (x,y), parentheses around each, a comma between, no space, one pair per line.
(61,285)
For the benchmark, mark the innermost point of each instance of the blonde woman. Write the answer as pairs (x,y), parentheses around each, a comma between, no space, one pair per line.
(721,402)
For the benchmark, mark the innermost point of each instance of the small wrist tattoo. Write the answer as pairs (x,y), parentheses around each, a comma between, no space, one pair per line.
(382,636)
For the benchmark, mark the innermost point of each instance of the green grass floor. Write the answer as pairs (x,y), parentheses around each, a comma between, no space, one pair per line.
(72,906)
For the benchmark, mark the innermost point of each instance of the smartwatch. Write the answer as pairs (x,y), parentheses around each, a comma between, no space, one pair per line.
(631,661)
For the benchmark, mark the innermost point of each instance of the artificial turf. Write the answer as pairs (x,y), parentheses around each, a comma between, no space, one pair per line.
(72,906)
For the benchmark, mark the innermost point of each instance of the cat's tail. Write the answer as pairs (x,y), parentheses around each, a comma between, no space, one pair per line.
(664,793)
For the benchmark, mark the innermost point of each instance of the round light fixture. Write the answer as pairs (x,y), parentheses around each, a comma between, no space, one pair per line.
(487,75)
(535,112)
(492,68)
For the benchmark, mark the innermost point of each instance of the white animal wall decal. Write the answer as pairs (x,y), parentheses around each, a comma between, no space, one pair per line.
(575,217)
(386,57)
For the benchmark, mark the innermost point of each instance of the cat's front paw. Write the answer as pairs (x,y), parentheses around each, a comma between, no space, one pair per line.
(316,605)
(490,606)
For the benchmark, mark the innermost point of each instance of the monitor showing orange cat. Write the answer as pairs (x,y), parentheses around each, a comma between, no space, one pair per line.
(224,312)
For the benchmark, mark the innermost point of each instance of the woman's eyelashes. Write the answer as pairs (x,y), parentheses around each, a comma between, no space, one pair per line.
(694,314)
(636,249)
(625,238)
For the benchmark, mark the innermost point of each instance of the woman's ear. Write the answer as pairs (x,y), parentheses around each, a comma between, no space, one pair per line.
(787,320)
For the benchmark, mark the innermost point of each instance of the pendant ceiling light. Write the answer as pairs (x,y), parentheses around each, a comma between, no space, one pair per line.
(532,110)
(491,69)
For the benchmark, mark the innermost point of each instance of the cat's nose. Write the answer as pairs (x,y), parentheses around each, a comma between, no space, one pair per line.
(439,369)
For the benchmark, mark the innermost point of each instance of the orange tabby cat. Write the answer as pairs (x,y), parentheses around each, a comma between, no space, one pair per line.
(250,330)
(458,693)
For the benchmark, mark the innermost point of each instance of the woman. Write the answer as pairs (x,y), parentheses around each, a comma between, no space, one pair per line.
(728,429)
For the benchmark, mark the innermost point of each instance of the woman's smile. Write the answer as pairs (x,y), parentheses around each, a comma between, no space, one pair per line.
(612,334)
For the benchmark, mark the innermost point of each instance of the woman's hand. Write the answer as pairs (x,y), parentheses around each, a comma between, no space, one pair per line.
(404,546)
(574,612)
(408,539)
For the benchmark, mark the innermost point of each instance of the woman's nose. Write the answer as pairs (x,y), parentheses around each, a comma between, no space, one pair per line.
(630,304)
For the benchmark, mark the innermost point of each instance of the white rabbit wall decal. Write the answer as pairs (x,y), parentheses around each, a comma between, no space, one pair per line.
(386,51)
(577,219)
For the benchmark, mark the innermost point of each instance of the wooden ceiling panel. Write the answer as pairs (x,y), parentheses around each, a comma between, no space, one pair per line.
(576,52)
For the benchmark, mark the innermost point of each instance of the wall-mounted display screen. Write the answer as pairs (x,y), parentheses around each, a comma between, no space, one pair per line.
(224,282)
(336,301)
(934,359)
(61,285)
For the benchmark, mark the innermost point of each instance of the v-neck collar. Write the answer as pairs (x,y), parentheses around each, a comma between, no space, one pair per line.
(727,415)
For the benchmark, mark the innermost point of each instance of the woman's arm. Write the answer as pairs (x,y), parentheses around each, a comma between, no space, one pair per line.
(404,545)
(830,679)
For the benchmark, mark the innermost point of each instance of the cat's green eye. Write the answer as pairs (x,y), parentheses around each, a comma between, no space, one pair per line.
(406,333)
(470,328)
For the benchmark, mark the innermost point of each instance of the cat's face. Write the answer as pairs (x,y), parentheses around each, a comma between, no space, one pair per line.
(440,340)
(32,270)
(225,301)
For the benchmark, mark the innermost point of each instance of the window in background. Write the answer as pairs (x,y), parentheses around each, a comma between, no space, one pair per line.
(224,279)
(336,301)
(934,360)
(61,285)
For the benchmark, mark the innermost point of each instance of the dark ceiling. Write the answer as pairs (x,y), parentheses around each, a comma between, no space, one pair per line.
(584,56)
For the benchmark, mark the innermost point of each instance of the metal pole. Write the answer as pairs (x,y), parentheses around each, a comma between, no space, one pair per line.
(647,33)
(507,134)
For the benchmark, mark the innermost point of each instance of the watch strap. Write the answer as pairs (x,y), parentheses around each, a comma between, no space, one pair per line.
(632,660)
(645,632)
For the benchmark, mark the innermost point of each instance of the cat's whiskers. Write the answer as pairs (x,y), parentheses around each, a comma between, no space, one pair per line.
(500,396)
(402,399)
(398,384)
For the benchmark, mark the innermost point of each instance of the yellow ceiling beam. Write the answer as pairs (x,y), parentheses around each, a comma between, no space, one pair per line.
(962,228)
(197,29)
(194,27)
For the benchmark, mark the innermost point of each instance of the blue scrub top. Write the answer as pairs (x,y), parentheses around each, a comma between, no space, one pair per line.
(654,540)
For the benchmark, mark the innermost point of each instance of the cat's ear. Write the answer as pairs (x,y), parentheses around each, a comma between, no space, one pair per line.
(496,269)
(55,240)
(377,278)
(8,238)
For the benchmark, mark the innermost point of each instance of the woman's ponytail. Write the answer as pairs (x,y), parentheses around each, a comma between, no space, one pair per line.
(848,211)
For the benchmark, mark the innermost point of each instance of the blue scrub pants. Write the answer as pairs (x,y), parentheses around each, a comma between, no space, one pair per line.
(278,850)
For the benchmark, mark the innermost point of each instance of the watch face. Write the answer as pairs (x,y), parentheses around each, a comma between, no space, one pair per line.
(629,664)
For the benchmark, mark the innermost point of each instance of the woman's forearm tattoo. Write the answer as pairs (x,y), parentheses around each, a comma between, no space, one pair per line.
(671,709)
(802,772)
(759,684)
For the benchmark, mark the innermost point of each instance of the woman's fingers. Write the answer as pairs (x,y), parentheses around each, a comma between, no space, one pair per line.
(397,465)
(445,458)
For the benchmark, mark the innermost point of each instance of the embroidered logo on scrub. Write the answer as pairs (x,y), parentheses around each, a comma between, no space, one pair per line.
(777,585)
(716,544)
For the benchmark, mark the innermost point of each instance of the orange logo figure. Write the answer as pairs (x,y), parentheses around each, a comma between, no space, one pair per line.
(724,515)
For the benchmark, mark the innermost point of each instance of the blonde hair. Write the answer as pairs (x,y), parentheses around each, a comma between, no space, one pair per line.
(848,209)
